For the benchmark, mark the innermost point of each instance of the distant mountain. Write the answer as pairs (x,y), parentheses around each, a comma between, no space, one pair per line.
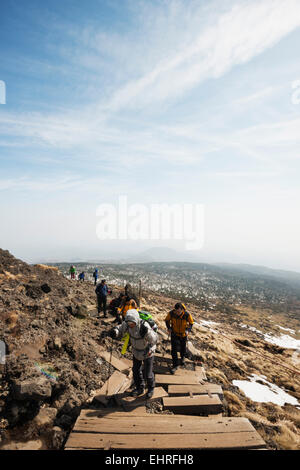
(279,274)
(162,255)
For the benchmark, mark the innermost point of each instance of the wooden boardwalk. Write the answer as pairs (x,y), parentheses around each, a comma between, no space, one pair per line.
(196,422)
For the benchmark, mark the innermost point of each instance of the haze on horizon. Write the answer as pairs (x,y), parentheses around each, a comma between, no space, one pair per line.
(166,102)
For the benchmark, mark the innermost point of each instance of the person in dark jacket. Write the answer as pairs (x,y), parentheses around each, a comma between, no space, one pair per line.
(114,305)
(101,292)
(179,324)
(95,276)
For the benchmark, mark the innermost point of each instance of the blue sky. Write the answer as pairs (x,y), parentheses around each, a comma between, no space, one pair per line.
(177,101)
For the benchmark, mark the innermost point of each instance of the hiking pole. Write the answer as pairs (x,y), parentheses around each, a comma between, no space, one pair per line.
(140,292)
(111,348)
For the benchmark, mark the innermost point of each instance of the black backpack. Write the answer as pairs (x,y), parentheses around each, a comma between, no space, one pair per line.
(146,318)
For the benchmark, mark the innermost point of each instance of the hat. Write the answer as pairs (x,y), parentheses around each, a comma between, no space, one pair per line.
(132,315)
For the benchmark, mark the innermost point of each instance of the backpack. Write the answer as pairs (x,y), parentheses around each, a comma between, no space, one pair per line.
(146,318)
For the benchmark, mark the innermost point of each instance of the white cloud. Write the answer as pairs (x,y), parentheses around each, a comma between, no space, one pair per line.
(198,43)
(239,35)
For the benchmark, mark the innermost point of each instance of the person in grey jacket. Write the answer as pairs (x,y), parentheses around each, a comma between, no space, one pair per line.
(143,342)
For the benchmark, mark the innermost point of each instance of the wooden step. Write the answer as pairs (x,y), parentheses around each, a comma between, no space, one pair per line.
(129,423)
(193,405)
(186,390)
(108,321)
(161,369)
(228,441)
(115,412)
(163,358)
(121,365)
(112,386)
(165,380)
(166,357)
(131,402)
(126,431)
(199,372)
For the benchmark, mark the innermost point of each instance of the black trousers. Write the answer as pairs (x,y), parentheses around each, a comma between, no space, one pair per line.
(140,375)
(178,343)
(101,299)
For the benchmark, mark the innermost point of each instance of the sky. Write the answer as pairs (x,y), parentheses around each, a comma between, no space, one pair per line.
(159,101)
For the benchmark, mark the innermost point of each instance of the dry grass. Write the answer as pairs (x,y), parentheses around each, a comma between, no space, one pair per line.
(235,404)
(287,438)
(45,267)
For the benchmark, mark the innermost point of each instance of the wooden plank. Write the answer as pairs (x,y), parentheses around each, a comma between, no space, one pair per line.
(108,321)
(116,412)
(127,384)
(164,380)
(245,440)
(111,387)
(133,424)
(200,374)
(184,390)
(119,364)
(201,370)
(129,402)
(197,404)
(166,357)
(160,369)
(163,358)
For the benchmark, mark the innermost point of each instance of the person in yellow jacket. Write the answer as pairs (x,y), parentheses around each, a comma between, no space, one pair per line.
(126,304)
(179,324)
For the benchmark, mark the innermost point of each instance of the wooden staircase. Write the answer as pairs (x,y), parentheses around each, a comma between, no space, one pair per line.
(196,423)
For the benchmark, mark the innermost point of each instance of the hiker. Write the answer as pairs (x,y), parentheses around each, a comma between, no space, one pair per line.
(127,289)
(130,293)
(101,292)
(143,342)
(72,272)
(95,276)
(126,304)
(81,276)
(179,324)
(113,307)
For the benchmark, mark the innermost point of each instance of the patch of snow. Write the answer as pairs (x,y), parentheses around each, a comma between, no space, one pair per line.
(207,324)
(284,341)
(251,328)
(287,329)
(264,393)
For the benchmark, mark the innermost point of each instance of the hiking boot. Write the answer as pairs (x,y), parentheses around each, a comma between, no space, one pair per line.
(137,391)
(174,369)
(182,362)
(150,392)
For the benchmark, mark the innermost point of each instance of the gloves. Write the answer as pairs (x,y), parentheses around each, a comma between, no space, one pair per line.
(112,333)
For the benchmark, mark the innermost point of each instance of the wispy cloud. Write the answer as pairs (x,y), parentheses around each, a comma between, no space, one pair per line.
(208,50)
(237,36)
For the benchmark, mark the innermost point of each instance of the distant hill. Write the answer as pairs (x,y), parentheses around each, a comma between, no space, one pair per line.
(161,254)
(280,274)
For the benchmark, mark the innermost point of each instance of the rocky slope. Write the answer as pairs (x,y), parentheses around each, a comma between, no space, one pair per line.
(52,365)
